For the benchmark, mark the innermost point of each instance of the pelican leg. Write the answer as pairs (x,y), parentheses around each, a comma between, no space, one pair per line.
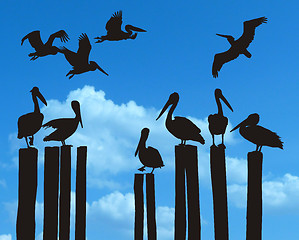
(152,170)
(222,139)
(63,143)
(213,137)
(27,142)
(182,142)
(31,140)
(260,148)
(257,148)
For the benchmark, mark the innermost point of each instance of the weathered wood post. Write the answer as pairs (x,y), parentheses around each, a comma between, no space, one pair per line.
(186,166)
(51,184)
(80,229)
(151,207)
(65,192)
(27,193)
(219,188)
(139,206)
(254,196)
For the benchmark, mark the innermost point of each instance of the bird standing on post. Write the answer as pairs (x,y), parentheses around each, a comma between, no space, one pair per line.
(80,59)
(218,122)
(31,123)
(257,134)
(47,48)
(114,32)
(65,127)
(148,156)
(180,127)
(238,46)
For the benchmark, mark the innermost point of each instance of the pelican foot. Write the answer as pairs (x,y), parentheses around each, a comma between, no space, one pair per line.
(222,146)
(142,169)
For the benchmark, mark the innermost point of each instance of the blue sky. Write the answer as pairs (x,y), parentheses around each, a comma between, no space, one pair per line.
(176,54)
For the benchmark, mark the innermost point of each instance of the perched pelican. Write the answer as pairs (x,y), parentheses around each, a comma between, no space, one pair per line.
(257,134)
(65,127)
(31,123)
(47,48)
(79,60)
(114,32)
(217,122)
(148,156)
(237,47)
(182,128)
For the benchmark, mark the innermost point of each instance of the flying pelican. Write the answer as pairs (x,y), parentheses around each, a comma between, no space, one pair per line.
(257,134)
(238,46)
(65,127)
(114,32)
(31,123)
(182,128)
(148,156)
(218,122)
(79,60)
(47,48)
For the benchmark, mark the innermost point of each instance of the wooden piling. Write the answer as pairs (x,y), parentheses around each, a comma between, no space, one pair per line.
(186,164)
(80,225)
(139,206)
(51,184)
(65,192)
(151,207)
(254,196)
(219,188)
(25,227)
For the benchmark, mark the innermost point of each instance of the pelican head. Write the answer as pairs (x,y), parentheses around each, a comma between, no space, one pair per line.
(143,138)
(35,92)
(76,108)
(93,66)
(252,120)
(219,95)
(173,99)
(229,38)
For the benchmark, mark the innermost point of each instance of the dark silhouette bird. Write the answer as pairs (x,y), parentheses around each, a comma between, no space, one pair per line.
(257,134)
(218,122)
(238,46)
(31,123)
(65,127)
(80,60)
(148,156)
(180,127)
(114,32)
(47,48)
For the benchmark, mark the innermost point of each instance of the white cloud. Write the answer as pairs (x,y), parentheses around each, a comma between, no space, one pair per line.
(5,237)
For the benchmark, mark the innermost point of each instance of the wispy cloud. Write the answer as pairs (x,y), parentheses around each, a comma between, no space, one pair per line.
(5,237)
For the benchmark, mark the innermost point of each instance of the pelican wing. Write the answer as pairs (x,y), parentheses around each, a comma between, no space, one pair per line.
(155,156)
(34,40)
(114,23)
(84,48)
(185,122)
(60,34)
(57,123)
(70,56)
(249,30)
(222,58)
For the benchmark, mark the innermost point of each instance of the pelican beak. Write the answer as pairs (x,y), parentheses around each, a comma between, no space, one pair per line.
(80,120)
(169,102)
(221,35)
(244,123)
(138,146)
(226,102)
(137,29)
(41,97)
(98,67)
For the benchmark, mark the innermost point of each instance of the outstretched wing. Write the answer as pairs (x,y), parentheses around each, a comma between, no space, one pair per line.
(222,58)
(56,123)
(84,48)
(249,30)
(34,40)
(114,23)
(60,34)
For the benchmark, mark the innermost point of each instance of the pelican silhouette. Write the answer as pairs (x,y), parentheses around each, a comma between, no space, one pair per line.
(238,46)
(148,156)
(114,32)
(31,123)
(182,128)
(65,127)
(79,60)
(47,48)
(218,122)
(257,134)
